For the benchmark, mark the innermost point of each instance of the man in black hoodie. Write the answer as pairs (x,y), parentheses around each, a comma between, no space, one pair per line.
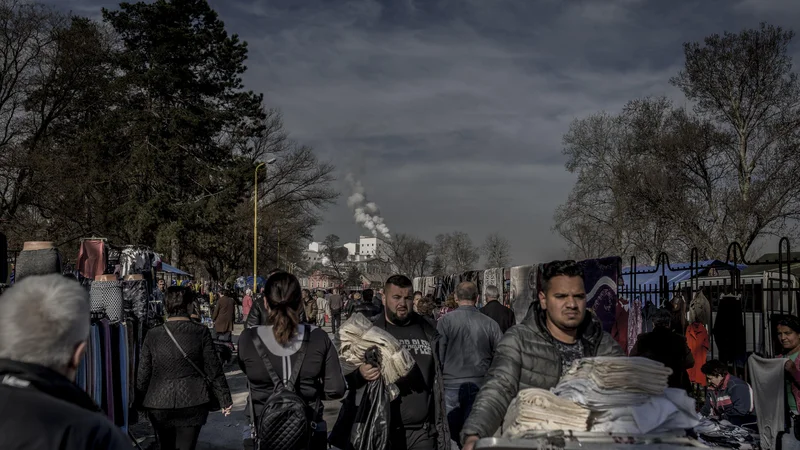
(44,326)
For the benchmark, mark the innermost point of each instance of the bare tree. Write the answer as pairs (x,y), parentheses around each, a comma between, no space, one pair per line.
(659,178)
(497,251)
(335,257)
(745,84)
(408,255)
(455,253)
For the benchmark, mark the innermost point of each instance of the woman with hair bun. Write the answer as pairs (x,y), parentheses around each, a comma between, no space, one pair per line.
(285,337)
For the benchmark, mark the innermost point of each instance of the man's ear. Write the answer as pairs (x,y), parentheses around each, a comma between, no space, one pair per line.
(77,355)
(543,300)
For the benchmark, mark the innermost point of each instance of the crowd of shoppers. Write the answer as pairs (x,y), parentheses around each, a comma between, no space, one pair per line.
(469,363)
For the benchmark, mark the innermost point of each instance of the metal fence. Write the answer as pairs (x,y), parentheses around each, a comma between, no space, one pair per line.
(765,289)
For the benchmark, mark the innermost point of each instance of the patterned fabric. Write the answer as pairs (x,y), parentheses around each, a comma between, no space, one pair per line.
(135,297)
(493,277)
(523,290)
(569,353)
(37,262)
(106,297)
(635,320)
(600,278)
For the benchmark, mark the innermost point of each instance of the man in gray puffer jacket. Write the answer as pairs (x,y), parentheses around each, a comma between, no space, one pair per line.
(534,354)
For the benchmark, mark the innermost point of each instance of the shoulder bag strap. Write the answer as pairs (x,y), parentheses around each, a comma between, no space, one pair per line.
(185,356)
(262,351)
(301,354)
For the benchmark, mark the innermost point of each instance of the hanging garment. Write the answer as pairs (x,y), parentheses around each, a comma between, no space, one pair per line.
(766,379)
(417,284)
(106,297)
(698,342)
(600,278)
(700,309)
(678,309)
(37,262)
(729,330)
(134,298)
(92,258)
(4,267)
(493,277)
(524,290)
(430,286)
(507,287)
(634,324)
(648,311)
(620,329)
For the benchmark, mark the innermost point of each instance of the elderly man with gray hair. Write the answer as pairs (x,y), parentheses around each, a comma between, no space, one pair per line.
(497,311)
(44,326)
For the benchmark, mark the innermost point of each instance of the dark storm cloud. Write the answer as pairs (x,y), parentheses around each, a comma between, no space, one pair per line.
(452,111)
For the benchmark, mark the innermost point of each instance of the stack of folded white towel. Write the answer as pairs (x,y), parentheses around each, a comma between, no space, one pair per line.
(541,410)
(357,335)
(627,395)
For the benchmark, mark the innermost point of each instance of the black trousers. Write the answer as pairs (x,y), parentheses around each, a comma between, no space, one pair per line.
(336,321)
(177,438)
(419,439)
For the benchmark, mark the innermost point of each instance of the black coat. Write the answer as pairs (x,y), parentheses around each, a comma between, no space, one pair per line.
(670,349)
(166,381)
(501,314)
(258,314)
(41,409)
(340,435)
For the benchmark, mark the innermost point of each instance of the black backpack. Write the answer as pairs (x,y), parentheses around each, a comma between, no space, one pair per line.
(286,422)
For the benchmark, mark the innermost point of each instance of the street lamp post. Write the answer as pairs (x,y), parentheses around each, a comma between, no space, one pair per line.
(255,225)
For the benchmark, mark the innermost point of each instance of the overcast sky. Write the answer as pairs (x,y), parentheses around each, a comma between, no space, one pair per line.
(451,112)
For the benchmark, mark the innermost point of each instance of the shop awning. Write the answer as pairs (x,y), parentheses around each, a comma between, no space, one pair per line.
(169,269)
(649,275)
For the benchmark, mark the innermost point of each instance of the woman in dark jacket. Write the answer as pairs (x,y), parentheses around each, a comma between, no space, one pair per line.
(320,376)
(172,390)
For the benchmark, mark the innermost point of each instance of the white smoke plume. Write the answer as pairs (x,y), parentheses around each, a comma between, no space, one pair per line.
(366,213)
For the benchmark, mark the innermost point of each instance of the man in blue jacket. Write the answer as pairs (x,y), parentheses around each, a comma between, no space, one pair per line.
(729,397)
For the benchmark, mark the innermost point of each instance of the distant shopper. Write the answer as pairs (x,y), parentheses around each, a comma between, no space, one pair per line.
(467,342)
(223,316)
(336,304)
(247,303)
(497,311)
(40,406)
(668,348)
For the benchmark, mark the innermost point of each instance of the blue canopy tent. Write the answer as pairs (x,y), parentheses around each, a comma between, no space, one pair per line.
(166,268)
(650,275)
(259,282)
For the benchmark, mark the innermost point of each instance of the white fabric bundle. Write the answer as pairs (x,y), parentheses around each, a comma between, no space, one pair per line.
(357,335)
(627,395)
(633,375)
(538,409)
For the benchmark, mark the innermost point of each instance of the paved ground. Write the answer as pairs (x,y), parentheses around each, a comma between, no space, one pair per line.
(220,432)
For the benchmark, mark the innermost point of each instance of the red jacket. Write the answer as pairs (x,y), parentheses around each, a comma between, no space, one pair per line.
(247,303)
(697,340)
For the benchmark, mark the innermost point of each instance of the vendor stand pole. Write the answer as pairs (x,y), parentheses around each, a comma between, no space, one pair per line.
(255,224)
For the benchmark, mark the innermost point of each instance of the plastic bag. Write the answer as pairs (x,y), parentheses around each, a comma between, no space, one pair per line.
(371,428)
